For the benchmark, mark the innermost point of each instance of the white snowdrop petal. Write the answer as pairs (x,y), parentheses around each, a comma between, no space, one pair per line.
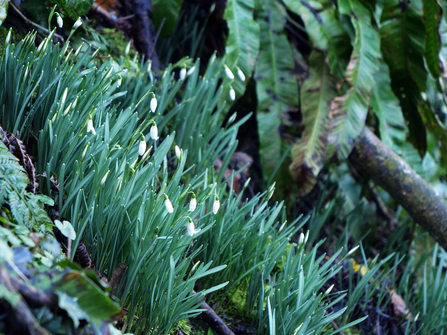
(241,75)
(142,147)
(177,151)
(154,132)
(232,94)
(77,24)
(228,72)
(60,22)
(216,206)
(153,105)
(190,228)
(168,206)
(192,204)
(182,74)
(191,71)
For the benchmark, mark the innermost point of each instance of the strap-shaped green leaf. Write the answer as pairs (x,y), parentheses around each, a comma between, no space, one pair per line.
(242,45)
(348,112)
(276,87)
(325,31)
(432,16)
(403,37)
(386,107)
(309,153)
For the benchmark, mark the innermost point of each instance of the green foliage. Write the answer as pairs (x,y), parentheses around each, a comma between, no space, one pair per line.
(3,10)
(26,208)
(242,45)
(309,153)
(75,8)
(276,89)
(167,11)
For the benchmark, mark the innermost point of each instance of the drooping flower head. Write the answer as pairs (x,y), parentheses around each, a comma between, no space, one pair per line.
(168,205)
(240,74)
(59,20)
(182,74)
(77,24)
(178,151)
(228,72)
(142,146)
(193,203)
(216,205)
(153,104)
(232,94)
(154,131)
(90,127)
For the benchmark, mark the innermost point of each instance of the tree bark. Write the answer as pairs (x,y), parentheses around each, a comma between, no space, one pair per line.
(408,188)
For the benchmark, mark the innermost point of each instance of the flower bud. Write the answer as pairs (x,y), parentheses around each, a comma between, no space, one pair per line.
(228,72)
(241,75)
(191,71)
(182,74)
(154,132)
(232,94)
(190,228)
(77,24)
(59,20)
(168,205)
(153,104)
(193,204)
(177,151)
(90,127)
(142,146)
(216,206)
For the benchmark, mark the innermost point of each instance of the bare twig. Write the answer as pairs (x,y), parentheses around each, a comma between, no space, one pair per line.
(35,24)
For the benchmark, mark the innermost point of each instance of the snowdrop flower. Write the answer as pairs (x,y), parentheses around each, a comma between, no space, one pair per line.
(329,289)
(177,151)
(103,180)
(154,132)
(142,146)
(75,102)
(85,151)
(90,127)
(182,74)
(59,20)
(352,251)
(232,94)
(229,73)
(126,52)
(8,37)
(191,71)
(118,83)
(153,104)
(301,239)
(193,203)
(195,266)
(67,110)
(168,205)
(190,228)
(77,24)
(216,206)
(64,96)
(240,74)
(78,49)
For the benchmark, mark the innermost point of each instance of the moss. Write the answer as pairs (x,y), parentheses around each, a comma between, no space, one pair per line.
(117,43)
(184,324)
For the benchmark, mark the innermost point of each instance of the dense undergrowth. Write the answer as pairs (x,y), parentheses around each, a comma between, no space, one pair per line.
(131,173)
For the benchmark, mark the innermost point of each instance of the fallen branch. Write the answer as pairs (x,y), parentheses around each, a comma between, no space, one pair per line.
(408,188)
(214,321)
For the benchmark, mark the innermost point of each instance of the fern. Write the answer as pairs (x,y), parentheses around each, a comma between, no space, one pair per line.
(26,208)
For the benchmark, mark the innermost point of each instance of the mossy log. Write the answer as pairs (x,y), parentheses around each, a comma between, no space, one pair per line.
(426,207)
